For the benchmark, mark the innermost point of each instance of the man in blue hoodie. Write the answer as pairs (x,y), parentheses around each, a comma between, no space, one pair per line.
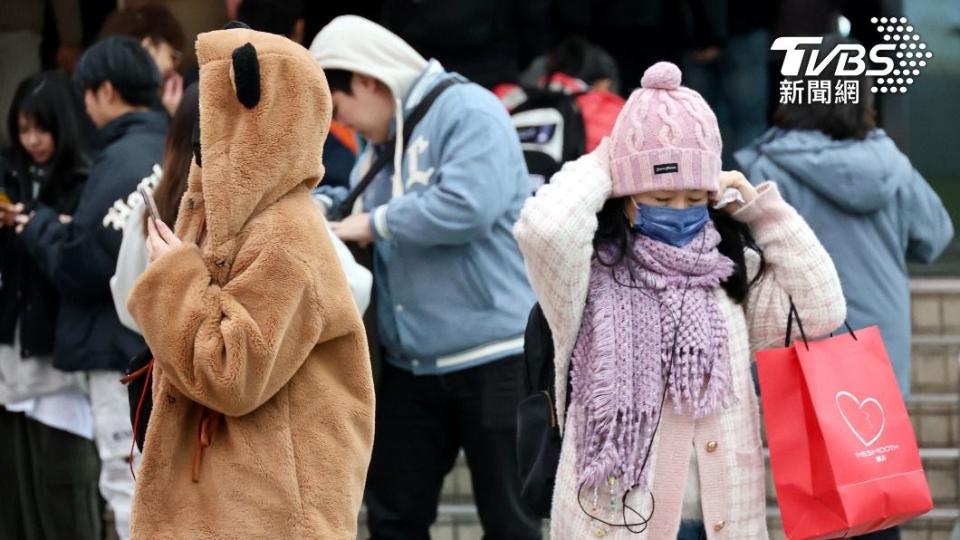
(450,285)
(78,253)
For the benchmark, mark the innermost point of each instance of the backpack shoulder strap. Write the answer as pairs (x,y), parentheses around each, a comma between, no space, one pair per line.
(346,207)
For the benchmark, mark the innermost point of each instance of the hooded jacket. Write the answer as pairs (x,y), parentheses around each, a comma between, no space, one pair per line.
(28,300)
(441,215)
(262,424)
(870,209)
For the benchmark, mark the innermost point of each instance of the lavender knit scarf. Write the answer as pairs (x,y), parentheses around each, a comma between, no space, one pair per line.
(622,355)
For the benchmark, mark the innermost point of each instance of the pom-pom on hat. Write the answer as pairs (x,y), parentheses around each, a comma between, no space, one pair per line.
(666,137)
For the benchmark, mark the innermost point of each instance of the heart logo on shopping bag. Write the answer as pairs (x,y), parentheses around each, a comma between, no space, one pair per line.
(864,418)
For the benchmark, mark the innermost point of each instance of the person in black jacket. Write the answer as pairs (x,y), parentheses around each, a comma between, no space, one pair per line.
(119,82)
(46,420)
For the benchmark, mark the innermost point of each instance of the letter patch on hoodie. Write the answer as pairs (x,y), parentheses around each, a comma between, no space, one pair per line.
(414,174)
(119,213)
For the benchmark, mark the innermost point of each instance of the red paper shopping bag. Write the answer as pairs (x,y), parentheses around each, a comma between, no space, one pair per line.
(842,449)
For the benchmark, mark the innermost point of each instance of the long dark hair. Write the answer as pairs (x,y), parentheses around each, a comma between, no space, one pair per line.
(177,157)
(735,237)
(48,100)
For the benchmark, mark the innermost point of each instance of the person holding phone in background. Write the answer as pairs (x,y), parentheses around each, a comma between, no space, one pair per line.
(46,420)
(262,422)
(119,82)
(163,189)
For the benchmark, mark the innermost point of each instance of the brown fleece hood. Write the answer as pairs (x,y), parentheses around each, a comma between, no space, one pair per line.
(263,406)
(263,100)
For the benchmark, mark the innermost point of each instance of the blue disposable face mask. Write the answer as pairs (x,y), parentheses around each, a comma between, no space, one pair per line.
(671,225)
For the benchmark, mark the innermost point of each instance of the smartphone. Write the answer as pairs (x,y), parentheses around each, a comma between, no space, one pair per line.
(731,194)
(151,204)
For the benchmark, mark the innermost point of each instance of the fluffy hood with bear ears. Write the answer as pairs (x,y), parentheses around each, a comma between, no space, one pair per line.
(263,411)
(265,111)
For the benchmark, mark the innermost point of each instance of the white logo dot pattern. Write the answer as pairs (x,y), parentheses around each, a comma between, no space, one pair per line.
(909,47)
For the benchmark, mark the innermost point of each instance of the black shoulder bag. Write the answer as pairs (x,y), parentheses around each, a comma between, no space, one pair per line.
(538,432)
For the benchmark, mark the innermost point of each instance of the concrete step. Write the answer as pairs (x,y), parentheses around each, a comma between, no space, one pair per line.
(934,364)
(935,306)
(936,419)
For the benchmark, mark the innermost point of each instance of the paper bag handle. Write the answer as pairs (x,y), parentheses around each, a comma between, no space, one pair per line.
(795,313)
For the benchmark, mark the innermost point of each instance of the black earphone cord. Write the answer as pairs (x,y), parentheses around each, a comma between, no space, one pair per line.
(645,520)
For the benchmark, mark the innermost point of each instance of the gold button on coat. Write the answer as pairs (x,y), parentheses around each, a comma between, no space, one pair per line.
(712,446)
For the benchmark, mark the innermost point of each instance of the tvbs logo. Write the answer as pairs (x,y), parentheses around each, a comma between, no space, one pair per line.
(849,56)
(894,62)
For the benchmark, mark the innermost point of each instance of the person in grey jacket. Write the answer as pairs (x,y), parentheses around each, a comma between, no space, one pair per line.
(868,205)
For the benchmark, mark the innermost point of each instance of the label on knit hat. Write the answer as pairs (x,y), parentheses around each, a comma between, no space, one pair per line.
(664,168)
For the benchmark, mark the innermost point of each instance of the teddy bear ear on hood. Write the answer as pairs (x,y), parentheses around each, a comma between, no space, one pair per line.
(246,75)
(246,69)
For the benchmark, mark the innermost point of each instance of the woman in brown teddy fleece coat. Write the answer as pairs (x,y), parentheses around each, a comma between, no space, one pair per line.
(263,399)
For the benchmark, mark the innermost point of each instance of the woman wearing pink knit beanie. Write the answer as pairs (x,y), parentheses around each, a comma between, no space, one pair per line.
(656,301)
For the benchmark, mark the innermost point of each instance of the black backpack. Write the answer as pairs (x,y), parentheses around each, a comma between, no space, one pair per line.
(538,433)
(551,129)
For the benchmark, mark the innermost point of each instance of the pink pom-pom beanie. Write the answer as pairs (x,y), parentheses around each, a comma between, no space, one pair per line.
(666,138)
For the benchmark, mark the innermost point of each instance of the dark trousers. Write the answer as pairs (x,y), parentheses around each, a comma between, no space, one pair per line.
(48,482)
(422,422)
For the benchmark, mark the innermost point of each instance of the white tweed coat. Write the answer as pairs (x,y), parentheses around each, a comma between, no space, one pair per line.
(555,234)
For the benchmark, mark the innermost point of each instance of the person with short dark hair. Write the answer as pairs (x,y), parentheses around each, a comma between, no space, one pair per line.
(167,185)
(869,206)
(450,288)
(157,30)
(46,421)
(161,34)
(78,253)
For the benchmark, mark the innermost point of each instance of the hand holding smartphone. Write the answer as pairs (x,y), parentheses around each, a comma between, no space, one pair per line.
(160,239)
(150,202)
(8,212)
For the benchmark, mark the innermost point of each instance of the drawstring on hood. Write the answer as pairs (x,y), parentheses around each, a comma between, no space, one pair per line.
(358,45)
(397,181)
